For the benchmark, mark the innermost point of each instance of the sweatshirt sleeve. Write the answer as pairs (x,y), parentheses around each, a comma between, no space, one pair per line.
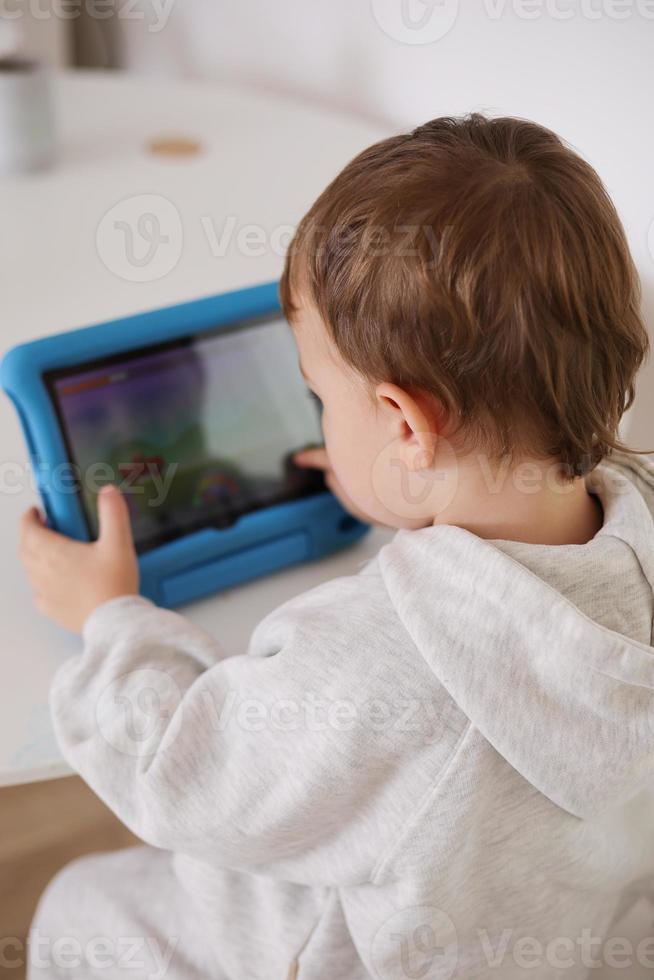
(256,761)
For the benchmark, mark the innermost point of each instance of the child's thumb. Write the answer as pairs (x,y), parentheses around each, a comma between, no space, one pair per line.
(115,528)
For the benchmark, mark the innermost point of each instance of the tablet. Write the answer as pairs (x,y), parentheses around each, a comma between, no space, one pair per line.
(195,411)
(196,431)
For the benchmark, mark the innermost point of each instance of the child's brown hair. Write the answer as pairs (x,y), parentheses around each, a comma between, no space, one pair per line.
(481,260)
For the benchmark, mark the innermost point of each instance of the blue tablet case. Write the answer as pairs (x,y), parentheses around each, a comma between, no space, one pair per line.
(203,561)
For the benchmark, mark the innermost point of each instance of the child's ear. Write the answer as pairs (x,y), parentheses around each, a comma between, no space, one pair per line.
(412,423)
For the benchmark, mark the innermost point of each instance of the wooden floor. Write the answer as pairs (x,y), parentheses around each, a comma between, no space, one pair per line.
(42,827)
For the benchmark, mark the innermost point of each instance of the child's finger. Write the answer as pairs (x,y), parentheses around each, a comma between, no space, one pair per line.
(313,458)
(31,516)
(115,527)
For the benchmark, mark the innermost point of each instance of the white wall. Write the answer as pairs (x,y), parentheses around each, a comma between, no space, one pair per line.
(582,67)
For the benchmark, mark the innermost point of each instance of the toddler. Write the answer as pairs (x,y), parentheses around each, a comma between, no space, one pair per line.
(441,766)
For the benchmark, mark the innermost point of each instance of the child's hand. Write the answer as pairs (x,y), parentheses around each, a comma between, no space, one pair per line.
(319,460)
(70,578)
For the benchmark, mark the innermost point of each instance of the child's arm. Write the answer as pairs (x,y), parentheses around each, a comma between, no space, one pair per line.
(254,761)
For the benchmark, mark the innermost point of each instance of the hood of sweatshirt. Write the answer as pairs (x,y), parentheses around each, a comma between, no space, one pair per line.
(566,701)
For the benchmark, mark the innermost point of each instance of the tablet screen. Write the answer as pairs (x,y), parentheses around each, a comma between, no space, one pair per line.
(196,432)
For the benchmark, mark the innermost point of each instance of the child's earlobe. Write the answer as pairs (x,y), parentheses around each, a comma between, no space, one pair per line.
(419,451)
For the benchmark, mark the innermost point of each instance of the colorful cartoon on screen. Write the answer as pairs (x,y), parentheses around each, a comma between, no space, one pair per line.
(193,433)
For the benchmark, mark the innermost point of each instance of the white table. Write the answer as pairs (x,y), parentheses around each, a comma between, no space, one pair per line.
(264,161)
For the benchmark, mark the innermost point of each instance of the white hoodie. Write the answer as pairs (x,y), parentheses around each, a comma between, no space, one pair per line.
(439,767)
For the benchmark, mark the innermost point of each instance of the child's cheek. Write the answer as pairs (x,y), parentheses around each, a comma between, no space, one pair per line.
(348,448)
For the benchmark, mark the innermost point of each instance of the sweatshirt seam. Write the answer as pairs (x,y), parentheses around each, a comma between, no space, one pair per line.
(329,899)
(427,797)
